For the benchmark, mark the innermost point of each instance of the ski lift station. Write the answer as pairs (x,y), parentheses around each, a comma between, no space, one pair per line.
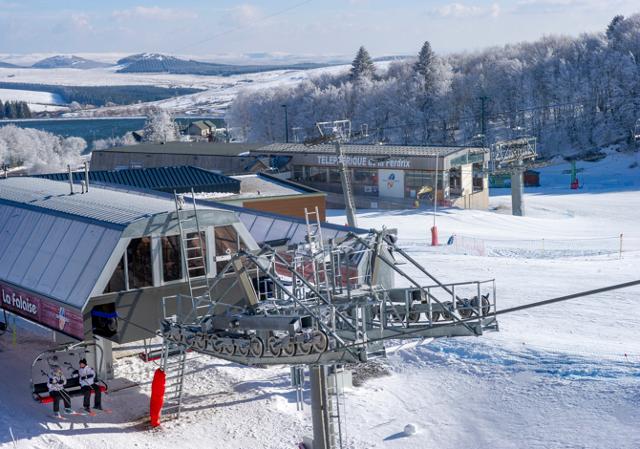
(382,176)
(102,265)
(388,176)
(97,263)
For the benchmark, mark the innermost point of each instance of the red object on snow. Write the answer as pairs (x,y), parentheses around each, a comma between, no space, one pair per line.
(157,397)
(434,236)
(575,184)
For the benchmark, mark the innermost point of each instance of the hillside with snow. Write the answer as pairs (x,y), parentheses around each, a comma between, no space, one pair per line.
(216,97)
(560,376)
(38,101)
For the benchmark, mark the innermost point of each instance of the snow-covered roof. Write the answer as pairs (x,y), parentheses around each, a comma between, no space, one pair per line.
(187,148)
(102,205)
(373,150)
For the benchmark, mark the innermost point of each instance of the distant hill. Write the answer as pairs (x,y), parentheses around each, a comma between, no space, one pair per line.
(103,95)
(6,65)
(158,63)
(68,62)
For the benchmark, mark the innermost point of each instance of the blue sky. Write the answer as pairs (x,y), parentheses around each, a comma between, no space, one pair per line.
(311,27)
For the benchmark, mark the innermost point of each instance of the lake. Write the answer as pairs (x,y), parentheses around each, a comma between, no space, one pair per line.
(91,129)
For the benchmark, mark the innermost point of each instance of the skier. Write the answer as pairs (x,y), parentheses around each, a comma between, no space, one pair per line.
(55,384)
(87,383)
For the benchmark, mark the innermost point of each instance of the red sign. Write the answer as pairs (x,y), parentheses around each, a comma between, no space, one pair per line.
(42,311)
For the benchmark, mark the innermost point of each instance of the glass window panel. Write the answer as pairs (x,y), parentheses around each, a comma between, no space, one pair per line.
(139,264)
(197,253)
(317,174)
(226,245)
(365,176)
(116,283)
(171,258)
(334,176)
(298,173)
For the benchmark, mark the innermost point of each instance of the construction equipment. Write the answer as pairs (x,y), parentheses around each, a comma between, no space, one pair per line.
(424,191)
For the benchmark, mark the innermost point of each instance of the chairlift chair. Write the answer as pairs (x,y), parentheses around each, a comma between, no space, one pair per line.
(67,357)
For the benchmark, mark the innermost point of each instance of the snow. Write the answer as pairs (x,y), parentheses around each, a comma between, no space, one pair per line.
(38,101)
(560,376)
(30,96)
(218,93)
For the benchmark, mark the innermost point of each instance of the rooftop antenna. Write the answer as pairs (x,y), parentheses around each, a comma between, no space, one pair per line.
(86,176)
(70,178)
(296,133)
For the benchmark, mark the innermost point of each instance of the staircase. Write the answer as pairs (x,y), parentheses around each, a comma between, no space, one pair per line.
(174,358)
(316,248)
(335,405)
(193,251)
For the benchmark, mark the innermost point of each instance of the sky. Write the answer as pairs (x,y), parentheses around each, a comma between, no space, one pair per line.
(299,27)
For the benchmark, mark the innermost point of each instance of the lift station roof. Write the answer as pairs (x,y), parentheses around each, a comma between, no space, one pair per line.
(56,244)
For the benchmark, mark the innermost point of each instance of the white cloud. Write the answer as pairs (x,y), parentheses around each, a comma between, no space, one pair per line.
(245,14)
(81,21)
(461,10)
(152,13)
(565,6)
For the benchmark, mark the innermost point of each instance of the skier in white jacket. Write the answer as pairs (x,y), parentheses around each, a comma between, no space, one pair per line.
(55,384)
(88,381)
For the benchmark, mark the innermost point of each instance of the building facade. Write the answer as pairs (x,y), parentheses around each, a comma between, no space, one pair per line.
(392,176)
(225,158)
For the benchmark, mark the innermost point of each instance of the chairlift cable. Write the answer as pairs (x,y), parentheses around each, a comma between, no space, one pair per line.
(511,310)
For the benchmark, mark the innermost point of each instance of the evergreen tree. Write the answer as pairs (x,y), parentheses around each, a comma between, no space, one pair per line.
(362,65)
(19,109)
(611,28)
(425,62)
(23,110)
(1,110)
(10,110)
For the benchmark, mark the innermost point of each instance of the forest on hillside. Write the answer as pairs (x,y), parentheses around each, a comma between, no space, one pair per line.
(105,95)
(572,93)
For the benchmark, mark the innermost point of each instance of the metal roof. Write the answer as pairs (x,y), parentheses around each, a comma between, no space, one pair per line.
(167,179)
(187,148)
(117,208)
(57,245)
(373,150)
(51,255)
(267,227)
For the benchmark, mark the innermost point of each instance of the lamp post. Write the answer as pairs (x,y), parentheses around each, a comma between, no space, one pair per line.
(286,123)
(434,228)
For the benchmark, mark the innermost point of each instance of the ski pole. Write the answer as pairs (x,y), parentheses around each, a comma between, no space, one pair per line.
(65,396)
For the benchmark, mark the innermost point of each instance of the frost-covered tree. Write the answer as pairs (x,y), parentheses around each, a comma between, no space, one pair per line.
(39,151)
(111,142)
(425,66)
(160,126)
(362,65)
(572,94)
